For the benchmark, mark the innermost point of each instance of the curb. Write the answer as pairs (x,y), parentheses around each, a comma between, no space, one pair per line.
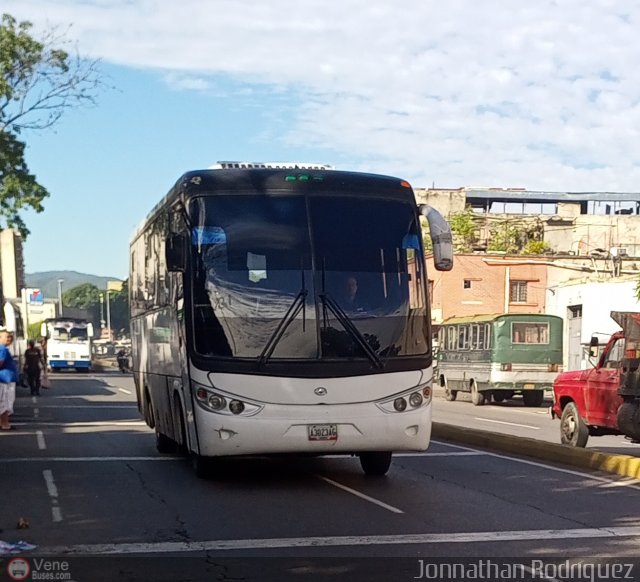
(623,465)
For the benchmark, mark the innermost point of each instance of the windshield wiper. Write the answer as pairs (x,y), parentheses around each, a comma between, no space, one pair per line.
(346,322)
(298,304)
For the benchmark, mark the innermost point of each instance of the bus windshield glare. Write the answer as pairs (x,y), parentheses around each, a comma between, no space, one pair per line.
(288,276)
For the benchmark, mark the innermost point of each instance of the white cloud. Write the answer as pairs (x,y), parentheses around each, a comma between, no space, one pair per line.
(541,95)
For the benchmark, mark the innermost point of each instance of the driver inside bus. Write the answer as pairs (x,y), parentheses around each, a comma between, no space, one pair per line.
(351,298)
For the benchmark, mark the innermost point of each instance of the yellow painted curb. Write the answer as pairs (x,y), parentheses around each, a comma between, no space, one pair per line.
(624,465)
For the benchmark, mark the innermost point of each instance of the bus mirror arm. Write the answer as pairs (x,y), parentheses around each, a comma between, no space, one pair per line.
(441,238)
(176,253)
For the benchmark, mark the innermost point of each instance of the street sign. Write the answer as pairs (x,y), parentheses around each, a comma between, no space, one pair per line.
(35,297)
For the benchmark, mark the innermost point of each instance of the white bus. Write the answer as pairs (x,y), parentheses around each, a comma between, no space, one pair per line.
(68,343)
(242,341)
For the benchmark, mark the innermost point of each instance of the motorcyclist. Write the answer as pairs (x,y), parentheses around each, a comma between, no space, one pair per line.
(123,360)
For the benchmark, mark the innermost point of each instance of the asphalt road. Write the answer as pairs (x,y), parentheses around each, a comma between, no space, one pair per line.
(514,418)
(82,469)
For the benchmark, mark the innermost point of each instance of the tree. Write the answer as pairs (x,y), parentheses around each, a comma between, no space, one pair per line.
(39,81)
(463,228)
(85,296)
(119,301)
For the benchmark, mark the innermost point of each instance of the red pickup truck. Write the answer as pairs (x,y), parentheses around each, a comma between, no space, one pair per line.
(606,398)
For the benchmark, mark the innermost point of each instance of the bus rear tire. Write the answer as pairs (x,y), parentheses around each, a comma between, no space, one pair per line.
(477,398)
(533,398)
(375,463)
(499,396)
(573,430)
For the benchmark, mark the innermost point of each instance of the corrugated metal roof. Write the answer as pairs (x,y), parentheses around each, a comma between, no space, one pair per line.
(536,196)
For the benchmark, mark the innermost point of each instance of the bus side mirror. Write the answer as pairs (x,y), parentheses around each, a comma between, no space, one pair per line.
(593,347)
(441,238)
(176,253)
(43,330)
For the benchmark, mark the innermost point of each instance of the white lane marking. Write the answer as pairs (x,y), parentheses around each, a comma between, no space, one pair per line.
(36,412)
(451,454)
(361,495)
(91,406)
(509,423)
(84,459)
(40,438)
(34,399)
(335,541)
(125,391)
(631,484)
(56,512)
(89,423)
(51,485)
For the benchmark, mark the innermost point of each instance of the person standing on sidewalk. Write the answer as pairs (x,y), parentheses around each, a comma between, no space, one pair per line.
(8,379)
(33,367)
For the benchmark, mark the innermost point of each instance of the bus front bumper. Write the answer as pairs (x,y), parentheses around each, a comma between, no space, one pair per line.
(299,429)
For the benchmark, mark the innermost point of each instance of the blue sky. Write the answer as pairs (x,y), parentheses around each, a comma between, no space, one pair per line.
(538,95)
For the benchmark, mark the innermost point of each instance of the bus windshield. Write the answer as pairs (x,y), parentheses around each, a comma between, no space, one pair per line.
(317,277)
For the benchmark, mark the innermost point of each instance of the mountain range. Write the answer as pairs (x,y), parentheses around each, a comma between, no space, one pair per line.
(47,281)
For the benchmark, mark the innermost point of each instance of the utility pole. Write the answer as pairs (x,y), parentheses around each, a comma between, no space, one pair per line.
(60,281)
(108,317)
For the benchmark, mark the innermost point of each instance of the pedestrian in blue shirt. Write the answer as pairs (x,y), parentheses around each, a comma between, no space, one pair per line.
(8,379)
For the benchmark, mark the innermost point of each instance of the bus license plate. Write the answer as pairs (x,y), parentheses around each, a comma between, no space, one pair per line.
(529,386)
(323,432)
(70,363)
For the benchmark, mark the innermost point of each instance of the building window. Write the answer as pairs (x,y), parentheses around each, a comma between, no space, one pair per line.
(467,284)
(518,292)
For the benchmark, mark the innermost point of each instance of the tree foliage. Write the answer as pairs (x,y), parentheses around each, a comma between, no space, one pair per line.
(88,296)
(39,81)
(464,229)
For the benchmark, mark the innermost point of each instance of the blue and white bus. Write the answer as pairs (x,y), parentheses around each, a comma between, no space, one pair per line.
(242,340)
(68,343)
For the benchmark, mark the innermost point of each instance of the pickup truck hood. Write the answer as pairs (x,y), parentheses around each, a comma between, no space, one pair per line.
(570,377)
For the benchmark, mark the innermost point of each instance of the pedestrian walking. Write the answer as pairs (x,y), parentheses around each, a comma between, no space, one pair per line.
(8,379)
(33,367)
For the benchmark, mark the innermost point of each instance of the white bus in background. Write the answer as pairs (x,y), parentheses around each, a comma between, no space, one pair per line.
(242,343)
(68,343)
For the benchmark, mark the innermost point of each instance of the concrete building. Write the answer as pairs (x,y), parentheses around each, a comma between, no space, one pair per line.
(11,263)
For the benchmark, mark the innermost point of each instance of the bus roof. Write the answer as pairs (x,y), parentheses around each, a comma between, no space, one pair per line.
(492,317)
(293,179)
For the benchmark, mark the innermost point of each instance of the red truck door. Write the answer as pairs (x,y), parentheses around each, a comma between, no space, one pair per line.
(601,392)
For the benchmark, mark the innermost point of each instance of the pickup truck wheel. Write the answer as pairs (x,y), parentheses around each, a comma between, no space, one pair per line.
(573,430)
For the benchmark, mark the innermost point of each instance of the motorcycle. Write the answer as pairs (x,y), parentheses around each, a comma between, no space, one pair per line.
(123,363)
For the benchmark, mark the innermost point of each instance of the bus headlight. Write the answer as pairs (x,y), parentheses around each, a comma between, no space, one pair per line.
(236,406)
(400,404)
(213,401)
(416,397)
(552,367)
(216,402)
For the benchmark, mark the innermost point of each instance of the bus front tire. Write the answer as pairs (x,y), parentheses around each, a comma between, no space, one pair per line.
(477,398)
(202,466)
(375,464)
(164,444)
(573,430)
(534,398)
